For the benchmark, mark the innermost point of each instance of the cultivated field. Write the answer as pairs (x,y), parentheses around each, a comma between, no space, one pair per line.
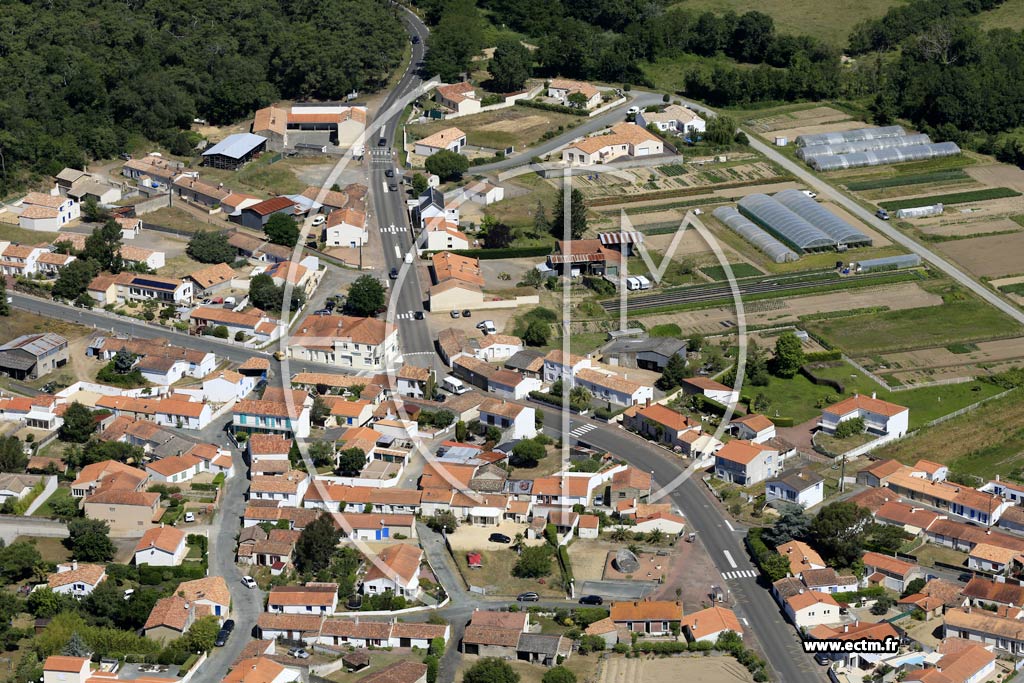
(618,669)
(517,126)
(988,256)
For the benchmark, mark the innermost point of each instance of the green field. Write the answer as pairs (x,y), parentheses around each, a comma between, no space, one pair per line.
(900,180)
(984,442)
(803,17)
(915,328)
(953,198)
(1008,15)
(717,273)
(1016,288)
(797,397)
(519,127)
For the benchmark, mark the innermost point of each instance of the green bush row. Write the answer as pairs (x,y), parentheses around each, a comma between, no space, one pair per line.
(551,107)
(899,181)
(953,198)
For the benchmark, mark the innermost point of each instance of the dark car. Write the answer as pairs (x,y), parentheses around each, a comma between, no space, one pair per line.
(383,142)
(418,315)
(883,214)
(222,638)
(499,538)
(591,600)
(415,40)
(390,173)
(529,596)
(467,313)
(393,274)
(965,577)
(329,306)
(393,187)
(229,625)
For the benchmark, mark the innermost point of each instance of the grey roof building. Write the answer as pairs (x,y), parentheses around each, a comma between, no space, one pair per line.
(651,353)
(31,356)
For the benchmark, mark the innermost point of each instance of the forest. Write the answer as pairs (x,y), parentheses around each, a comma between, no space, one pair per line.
(926,61)
(84,79)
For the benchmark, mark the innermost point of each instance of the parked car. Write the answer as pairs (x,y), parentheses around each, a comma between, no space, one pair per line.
(591,600)
(189,517)
(383,142)
(599,500)
(322,311)
(298,653)
(499,538)
(218,300)
(222,638)
(883,214)
(329,306)
(810,194)
(393,274)
(279,355)
(229,625)
(529,596)
(125,156)
(248,582)
(633,111)
(390,173)
(129,593)
(393,187)
(467,313)
(318,220)
(456,314)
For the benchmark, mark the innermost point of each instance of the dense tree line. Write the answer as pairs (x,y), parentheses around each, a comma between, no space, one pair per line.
(903,21)
(84,78)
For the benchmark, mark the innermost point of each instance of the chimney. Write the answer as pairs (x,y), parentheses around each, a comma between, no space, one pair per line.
(74,565)
(872,394)
(846,628)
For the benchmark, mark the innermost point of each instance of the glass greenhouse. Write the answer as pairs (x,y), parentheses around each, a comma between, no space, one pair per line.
(774,249)
(841,232)
(863,145)
(877,157)
(784,224)
(854,135)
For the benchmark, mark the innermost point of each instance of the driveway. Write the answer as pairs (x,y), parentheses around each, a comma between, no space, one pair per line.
(475,537)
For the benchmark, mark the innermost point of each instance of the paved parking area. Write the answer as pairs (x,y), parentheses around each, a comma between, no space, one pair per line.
(618,590)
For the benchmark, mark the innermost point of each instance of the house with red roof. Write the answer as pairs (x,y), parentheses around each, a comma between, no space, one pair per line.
(162,546)
(891,572)
(881,418)
(709,388)
(746,463)
(753,427)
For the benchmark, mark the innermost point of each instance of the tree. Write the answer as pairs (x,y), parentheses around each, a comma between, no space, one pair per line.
(914,586)
(419,184)
(316,545)
(19,560)
(720,130)
(510,66)
(536,333)
(887,538)
(789,355)
(320,411)
(533,563)
(447,165)
(577,216)
(673,374)
(577,100)
(792,524)
(365,296)
(839,530)
(851,427)
(499,236)
(321,453)
(264,294)
(695,343)
(883,604)
(776,566)
(540,219)
(461,431)
(76,647)
(558,674)
(282,229)
(527,453)
(74,278)
(89,540)
(123,361)
(202,635)
(5,308)
(12,454)
(580,397)
(92,212)
(457,38)
(211,247)
(104,246)
(63,508)
(351,462)
(79,424)
(443,521)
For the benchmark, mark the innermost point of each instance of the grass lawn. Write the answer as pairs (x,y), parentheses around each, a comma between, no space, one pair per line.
(797,397)
(524,192)
(496,575)
(51,549)
(180,266)
(717,273)
(966,320)
(581,343)
(519,127)
(378,660)
(14,233)
(802,17)
(263,177)
(930,553)
(46,509)
(984,442)
(1008,15)
(22,322)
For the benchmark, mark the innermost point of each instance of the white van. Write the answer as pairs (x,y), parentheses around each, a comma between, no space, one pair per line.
(454,385)
(644,282)
(633,283)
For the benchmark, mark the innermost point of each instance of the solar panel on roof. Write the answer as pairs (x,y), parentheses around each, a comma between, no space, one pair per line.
(169,286)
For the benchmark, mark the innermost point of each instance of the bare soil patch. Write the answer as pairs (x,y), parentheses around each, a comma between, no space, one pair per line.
(724,669)
(998,175)
(959,227)
(832,127)
(994,256)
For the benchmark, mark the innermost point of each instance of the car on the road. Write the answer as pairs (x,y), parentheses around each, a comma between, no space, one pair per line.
(189,517)
(322,311)
(125,156)
(591,600)
(466,313)
(383,142)
(329,306)
(393,274)
(229,625)
(965,577)
(810,194)
(279,355)
(883,214)
(415,40)
(528,596)
(418,315)
(633,111)
(298,653)
(248,582)
(318,220)
(456,314)
(222,638)
(499,538)
(393,187)
(390,173)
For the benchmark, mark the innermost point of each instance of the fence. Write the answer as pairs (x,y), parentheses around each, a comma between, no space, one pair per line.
(905,387)
(152,204)
(44,495)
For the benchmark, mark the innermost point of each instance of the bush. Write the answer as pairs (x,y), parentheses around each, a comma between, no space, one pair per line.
(551,107)
(848,428)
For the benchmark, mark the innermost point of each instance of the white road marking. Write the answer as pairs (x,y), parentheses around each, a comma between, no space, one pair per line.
(728,525)
(728,556)
(582,429)
(745,622)
(384,185)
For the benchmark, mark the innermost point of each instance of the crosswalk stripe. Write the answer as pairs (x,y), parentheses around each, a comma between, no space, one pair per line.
(582,429)
(740,574)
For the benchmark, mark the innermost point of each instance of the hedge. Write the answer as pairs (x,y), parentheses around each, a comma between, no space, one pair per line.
(807,372)
(507,252)
(563,559)
(870,592)
(551,107)
(819,356)
(154,576)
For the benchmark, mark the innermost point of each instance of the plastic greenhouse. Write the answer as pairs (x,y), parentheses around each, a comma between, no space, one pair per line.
(877,157)
(890,262)
(774,249)
(784,224)
(863,145)
(854,135)
(843,234)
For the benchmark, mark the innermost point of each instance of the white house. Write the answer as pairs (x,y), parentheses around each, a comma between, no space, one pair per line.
(45,212)
(811,608)
(227,385)
(76,579)
(396,568)
(481,192)
(746,463)
(432,204)
(589,526)
(512,385)
(441,234)
(753,427)
(272,416)
(346,341)
(993,558)
(561,88)
(209,594)
(707,624)
(175,469)
(557,365)
(509,416)
(607,386)
(674,118)
(709,388)
(62,669)
(15,486)
(345,228)
(169,290)
(805,488)
(1006,489)
(19,259)
(162,546)
(461,98)
(880,417)
(168,412)
(625,139)
(891,572)
(497,347)
(451,139)
(287,489)
(313,598)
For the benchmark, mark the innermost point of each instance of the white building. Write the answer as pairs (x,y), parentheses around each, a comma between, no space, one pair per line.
(708,624)
(674,118)
(811,608)
(162,546)
(45,212)
(345,228)
(880,417)
(606,386)
(227,385)
(396,569)
(753,427)
(313,598)
(709,388)
(451,139)
(805,488)
(745,463)
(509,416)
(441,234)
(625,139)
(76,579)
(561,88)
(175,469)
(346,342)
(62,669)
(557,365)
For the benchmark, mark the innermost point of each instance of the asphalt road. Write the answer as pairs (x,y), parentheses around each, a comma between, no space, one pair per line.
(752,602)
(392,215)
